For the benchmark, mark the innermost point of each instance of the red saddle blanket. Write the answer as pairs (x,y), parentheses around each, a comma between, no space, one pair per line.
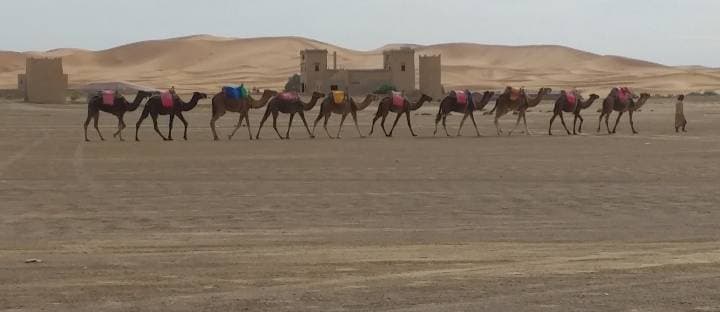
(624,94)
(167,99)
(461,97)
(398,100)
(515,94)
(571,99)
(108,97)
(289,96)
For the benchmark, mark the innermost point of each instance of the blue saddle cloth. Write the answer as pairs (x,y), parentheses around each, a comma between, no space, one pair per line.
(235,93)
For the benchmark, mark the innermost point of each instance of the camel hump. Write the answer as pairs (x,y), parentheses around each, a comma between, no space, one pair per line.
(289,96)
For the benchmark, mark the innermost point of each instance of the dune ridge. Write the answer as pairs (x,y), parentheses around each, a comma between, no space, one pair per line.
(204,62)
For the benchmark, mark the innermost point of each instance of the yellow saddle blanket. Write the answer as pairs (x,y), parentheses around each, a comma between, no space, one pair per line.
(338,97)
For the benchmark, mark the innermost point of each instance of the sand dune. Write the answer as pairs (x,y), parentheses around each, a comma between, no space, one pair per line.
(205,62)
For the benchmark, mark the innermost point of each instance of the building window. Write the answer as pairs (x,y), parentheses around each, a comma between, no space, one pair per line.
(317,67)
(402,68)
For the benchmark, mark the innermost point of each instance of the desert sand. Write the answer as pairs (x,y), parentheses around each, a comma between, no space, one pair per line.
(203,63)
(523,223)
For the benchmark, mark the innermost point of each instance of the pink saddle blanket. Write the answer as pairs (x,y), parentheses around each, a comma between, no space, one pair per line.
(167,99)
(461,96)
(624,94)
(398,100)
(289,96)
(108,97)
(571,98)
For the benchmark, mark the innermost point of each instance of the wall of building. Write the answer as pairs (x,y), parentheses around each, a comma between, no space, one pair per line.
(362,82)
(431,76)
(314,70)
(44,80)
(401,63)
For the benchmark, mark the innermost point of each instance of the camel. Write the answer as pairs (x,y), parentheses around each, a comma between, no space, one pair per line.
(615,101)
(571,102)
(516,100)
(341,103)
(399,105)
(450,103)
(222,104)
(119,107)
(154,107)
(289,103)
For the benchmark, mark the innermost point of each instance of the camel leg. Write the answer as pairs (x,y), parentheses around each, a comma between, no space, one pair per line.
(212,126)
(582,121)
(170,126)
(524,117)
(472,118)
(320,116)
(247,121)
(382,124)
(397,118)
(85,125)
(185,123)
(497,125)
(562,119)
(325,123)
(375,119)
(262,122)
(607,123)
(444,123)
(437,121)
(302,116)
(575,119)
(237,127)
(552,120)
(602,114)
(462,122)
(287,135)
(407,115)
(342,120)
(95,124)
(121,127)
(632,123)
(517,123)
(355,120)
(275,116)
(155,125)
(617,121)
(145,113)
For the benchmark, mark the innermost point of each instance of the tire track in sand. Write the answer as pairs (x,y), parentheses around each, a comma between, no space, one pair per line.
(7,163)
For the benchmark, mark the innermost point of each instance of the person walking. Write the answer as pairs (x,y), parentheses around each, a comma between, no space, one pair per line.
(680,121)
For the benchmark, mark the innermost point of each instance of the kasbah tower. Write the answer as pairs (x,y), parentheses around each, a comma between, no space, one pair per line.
(399,70)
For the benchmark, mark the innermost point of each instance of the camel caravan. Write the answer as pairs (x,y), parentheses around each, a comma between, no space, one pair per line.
(465,102)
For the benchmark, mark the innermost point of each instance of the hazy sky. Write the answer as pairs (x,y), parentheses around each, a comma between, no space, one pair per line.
(673,32)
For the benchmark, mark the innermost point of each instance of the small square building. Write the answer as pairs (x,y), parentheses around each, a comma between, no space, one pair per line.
(43,81)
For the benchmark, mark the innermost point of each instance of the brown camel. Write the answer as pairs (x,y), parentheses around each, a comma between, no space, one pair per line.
(118,106)
(222,104)
(621,100)
(154,107)
(516,100)
(571,102)
(398,104)
(289,103)
(339,102)
(450,103)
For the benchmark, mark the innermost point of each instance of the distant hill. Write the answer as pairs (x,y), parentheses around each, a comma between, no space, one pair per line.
(205,62)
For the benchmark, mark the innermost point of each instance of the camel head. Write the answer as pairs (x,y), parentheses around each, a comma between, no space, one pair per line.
(425,98)
(318,95)
(642,100)
(199,95)
(545,91)
(269,93)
